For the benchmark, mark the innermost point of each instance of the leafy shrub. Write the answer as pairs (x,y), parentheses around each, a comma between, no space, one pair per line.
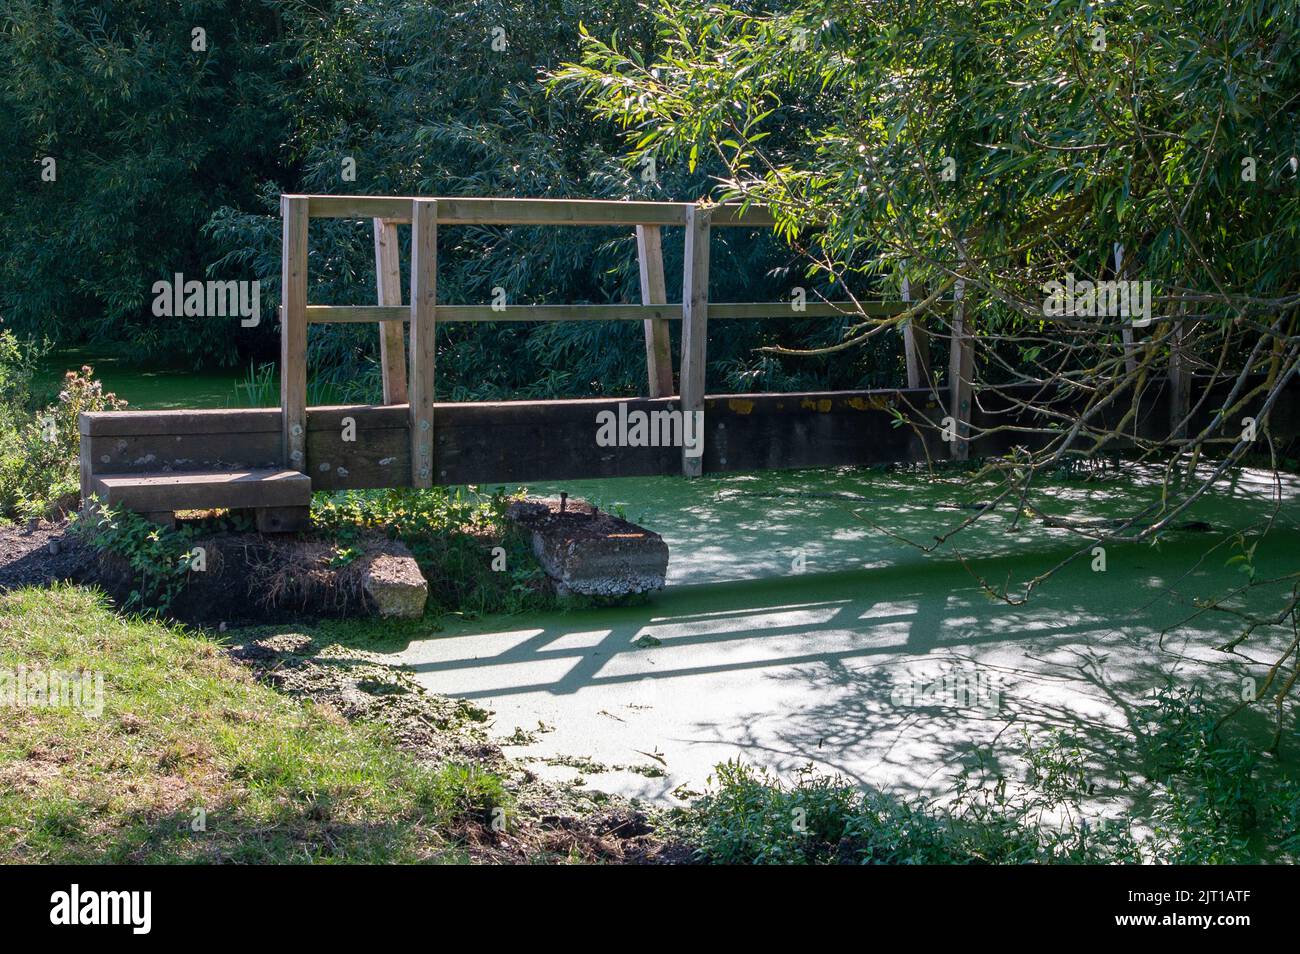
(1211,802)
(149,137)
(159,557)
(39,471)
(1221,802)
(452,535)
(456,791)
(179,165)
(17,367)
(754,818)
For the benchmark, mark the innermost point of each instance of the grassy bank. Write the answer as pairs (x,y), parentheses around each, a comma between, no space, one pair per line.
(187,740)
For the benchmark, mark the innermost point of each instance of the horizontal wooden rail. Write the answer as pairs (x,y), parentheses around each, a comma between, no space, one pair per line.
(338,314)
(465,211)
(818,309)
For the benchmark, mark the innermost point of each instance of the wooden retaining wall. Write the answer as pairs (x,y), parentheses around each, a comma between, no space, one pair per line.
(512,442)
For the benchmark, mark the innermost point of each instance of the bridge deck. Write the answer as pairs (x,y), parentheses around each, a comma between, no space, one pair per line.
(412,441)
(511,442)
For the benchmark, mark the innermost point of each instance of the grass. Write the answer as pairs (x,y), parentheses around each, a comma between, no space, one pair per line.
(184,730)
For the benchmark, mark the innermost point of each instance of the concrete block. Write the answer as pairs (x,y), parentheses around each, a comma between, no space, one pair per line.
(393,581)
(587,551)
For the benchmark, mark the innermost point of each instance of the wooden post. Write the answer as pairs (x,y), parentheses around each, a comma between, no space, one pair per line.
(916,355)
(86,463)
(695,326)
(293,330)
(961,364)
(392,339)
(1126,329)
(658,354)
(424,279)
(916,345)
(1180,382)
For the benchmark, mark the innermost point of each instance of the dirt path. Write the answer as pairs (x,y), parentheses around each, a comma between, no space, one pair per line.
(42,555)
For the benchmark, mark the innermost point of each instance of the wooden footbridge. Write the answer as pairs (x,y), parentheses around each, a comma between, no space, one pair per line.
(270,460)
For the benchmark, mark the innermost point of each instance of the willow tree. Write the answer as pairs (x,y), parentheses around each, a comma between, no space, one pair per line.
(1008,152)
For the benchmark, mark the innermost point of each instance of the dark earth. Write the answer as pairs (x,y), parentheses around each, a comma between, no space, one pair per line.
(27,558)
(282,578)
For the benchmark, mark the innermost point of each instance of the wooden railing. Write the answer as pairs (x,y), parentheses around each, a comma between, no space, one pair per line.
(410,380)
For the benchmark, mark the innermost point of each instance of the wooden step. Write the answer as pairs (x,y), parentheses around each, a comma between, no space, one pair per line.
(204,489)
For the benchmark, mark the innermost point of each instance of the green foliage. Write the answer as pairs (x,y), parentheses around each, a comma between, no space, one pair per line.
(457,791)
(841,116)
(159,558)
(39,471)
(1222,803)
(837,113)
(260,387)
(487,126)
(18,362)
(178,163)
(1210,803)
(452,533)
(149,136)
(754,818)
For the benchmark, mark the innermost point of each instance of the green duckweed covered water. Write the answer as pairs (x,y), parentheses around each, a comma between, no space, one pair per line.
(751,654)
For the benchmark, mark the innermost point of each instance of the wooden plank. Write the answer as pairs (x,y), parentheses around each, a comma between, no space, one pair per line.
(392,337)
(458,211)
(86,467)
(812,309)
(1126,333)
(487,211)
(198,490)
(282,519)
(735,214)
(924,444)
(522,441)
(117,424)
(557,440)
(123,423)
(1130,349)
(1180,382)
(695,323)
(151,453)
(364,417)
(293,331)
(961,365)
(390,208)
(357,314)
(365,314)
(424,285)
(379,457)
(334,314)
(916,345)
(476,211)
(790,431)
(658,352)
